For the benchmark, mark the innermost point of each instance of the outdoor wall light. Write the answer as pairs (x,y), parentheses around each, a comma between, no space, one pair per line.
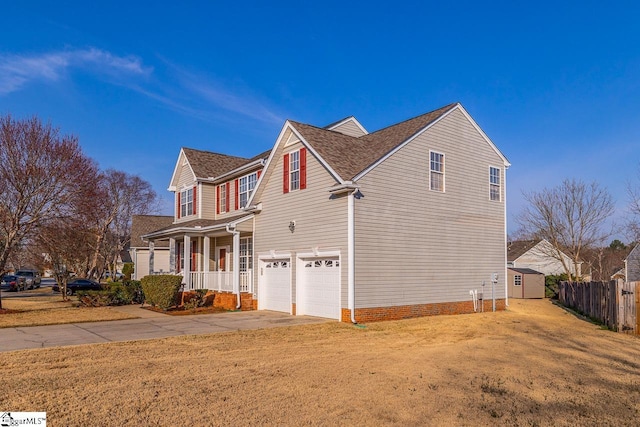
(292,226)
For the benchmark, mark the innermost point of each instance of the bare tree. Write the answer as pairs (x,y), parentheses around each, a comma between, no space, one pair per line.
(122,196)
(571,217)
(38,179)
(633,224)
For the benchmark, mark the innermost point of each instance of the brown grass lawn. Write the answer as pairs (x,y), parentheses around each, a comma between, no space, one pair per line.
(52,310)
(533,365)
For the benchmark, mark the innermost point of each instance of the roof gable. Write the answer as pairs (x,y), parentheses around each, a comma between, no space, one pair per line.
(348,126)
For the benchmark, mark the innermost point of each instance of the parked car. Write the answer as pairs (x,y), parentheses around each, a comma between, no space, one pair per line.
(76,285)
(14,283)
(31,277)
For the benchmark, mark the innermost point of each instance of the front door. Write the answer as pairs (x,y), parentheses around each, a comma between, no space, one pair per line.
(222,259)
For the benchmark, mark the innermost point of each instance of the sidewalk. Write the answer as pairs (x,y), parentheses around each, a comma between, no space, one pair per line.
(150,325)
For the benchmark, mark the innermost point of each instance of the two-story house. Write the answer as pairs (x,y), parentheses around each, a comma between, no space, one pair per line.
(341,223)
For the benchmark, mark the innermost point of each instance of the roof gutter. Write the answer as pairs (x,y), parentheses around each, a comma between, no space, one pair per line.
(344,187)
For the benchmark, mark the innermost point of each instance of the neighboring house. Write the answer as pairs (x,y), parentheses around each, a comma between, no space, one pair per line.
(139,248)
(620,274)
(537,255)
(525,283)
(632,265)
(341,223)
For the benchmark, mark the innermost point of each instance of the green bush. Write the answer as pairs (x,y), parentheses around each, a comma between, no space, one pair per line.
(127,270)
(134,288)
(161,290)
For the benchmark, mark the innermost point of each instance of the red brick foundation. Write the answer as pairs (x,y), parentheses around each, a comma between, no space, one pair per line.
(229,301)
(226,300)
(376,314)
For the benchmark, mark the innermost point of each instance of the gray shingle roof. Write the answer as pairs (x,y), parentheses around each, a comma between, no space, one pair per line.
(349,156)
(201,223)
(206,164)
(516,249)
(524,270)
(144,224)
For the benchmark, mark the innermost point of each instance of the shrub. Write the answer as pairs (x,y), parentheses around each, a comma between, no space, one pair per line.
(95,298)
(134,288)
(115,293)
(161,290)
(196,299)
(127,270)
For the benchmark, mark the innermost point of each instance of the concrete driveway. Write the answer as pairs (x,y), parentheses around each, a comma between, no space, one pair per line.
(151,325)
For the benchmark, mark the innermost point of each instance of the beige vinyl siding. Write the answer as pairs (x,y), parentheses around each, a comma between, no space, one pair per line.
(349,128)
(416,246)
(160,262)
(207,199)
(321,222)
(185,181)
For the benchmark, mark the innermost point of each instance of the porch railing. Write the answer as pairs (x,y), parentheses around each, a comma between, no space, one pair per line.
(219,281)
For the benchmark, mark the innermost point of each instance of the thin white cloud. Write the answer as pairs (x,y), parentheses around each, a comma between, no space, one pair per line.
(214,97)
(16,71)
(188,93)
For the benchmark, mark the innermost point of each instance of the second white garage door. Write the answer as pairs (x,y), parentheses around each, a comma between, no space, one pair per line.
(274,292)
(318,290)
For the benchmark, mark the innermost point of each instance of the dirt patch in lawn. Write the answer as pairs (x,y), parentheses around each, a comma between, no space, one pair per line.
(533,365)
(52,310)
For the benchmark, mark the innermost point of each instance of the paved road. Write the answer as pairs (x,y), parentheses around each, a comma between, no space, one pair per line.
(152,325)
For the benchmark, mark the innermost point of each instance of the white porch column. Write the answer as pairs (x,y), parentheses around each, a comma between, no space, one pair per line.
(236,262)
(186,255)
(152,247)
(205,254)
(172,256)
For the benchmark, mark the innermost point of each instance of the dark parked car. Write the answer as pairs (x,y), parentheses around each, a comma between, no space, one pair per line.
(76,285)
(31,277)
(12,282)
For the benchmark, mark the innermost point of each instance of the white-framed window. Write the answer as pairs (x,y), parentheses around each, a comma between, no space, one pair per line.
(186,202)
(246,254)
(517,280)
(494,183)
(246,185)
(436,171)
(223,198)
(294,170)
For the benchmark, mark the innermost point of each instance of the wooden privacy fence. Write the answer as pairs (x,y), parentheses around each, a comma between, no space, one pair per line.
(614,303)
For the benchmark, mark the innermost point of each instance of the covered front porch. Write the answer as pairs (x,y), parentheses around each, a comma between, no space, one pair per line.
(213,255)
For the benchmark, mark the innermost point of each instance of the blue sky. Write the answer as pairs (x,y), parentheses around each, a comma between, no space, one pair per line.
(555,85)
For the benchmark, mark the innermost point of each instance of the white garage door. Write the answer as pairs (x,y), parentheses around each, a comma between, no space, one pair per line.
(274,292)
(318,293)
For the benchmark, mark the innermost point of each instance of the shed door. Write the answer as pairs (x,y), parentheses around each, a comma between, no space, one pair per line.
(274,291)
(318,293)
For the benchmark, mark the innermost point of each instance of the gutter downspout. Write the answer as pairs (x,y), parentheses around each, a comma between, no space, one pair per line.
(506,244)
(351,265)
(236,262)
